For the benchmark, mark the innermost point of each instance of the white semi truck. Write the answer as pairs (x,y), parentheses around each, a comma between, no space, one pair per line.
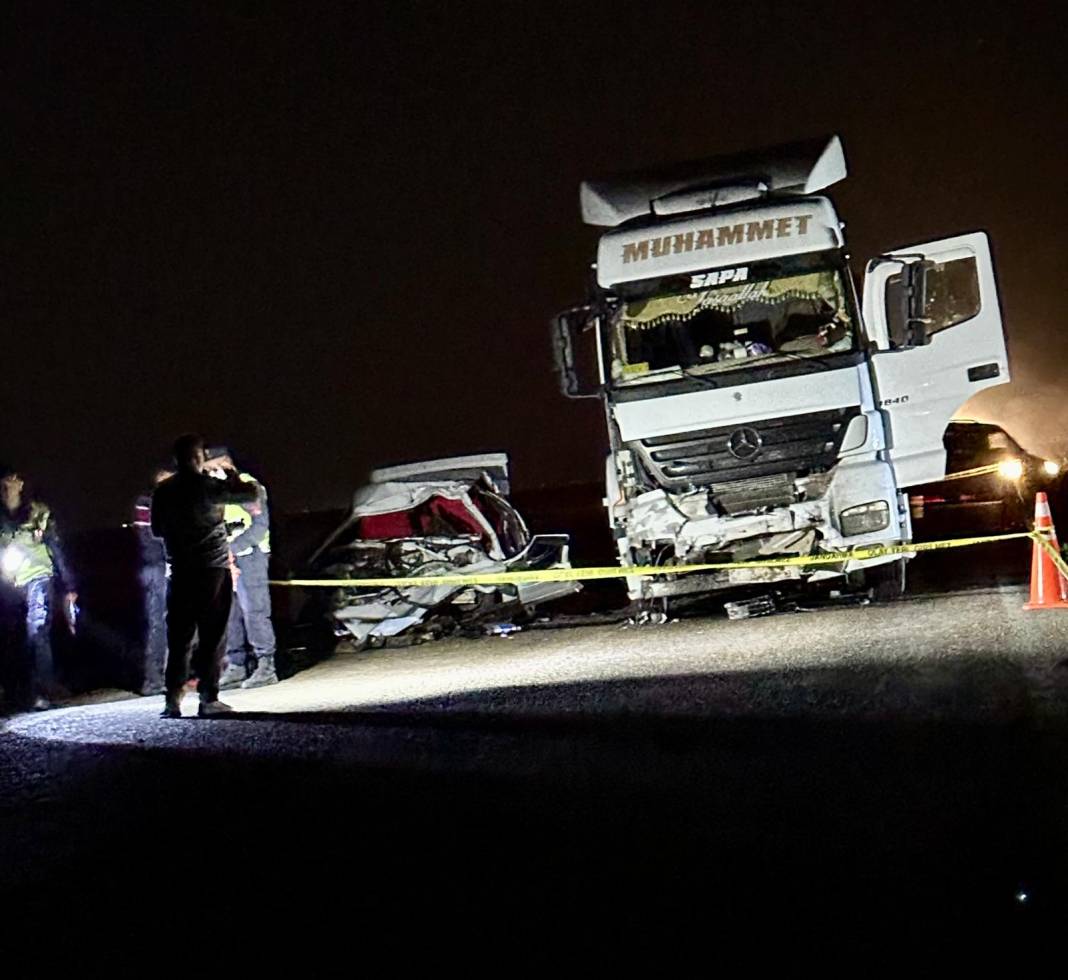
(756,407)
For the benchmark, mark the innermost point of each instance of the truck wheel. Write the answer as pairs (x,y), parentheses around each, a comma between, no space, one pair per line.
(886,582)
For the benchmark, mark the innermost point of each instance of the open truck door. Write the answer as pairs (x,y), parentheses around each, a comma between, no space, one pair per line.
(932,311)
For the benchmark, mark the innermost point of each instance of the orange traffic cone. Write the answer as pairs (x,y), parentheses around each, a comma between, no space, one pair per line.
(1049,589)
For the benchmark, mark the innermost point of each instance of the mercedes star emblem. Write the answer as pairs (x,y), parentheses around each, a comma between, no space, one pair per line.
(744,443)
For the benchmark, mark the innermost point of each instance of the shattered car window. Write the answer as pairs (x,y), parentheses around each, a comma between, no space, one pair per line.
(728,326)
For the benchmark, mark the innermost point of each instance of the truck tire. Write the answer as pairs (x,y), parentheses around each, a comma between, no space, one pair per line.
(886,582)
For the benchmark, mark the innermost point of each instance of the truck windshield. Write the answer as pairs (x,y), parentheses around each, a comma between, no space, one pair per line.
(700,328)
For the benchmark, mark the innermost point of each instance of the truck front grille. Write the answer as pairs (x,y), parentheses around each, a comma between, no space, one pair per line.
(796,445)
(742,496)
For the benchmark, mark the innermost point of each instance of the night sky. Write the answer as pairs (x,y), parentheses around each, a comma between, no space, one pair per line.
(331,236)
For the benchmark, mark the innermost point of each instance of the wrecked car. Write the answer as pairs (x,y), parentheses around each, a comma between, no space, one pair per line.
(442,517)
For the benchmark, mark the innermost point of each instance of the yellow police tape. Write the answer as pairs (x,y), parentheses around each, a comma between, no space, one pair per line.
(976,471)
(1045,540)
(608,572)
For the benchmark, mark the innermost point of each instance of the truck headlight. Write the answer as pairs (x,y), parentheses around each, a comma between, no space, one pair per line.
(864,518)
(11,560)
(1010,469)
(1050,468)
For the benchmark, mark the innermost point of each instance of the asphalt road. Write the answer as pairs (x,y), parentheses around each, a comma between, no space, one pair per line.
(901,763)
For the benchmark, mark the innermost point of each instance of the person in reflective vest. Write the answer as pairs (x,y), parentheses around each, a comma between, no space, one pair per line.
(31,558)
(248,529)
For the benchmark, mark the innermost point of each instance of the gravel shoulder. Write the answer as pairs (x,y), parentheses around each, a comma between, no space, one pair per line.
(876,758)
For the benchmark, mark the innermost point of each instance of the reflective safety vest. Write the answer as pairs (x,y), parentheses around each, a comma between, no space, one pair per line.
(238,519)
(24,556)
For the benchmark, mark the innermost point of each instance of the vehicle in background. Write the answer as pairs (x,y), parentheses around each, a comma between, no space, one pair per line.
(991,481)
(442,517)
(755,407)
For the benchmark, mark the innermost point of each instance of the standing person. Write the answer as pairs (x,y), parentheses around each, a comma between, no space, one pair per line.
(153,580)
(248,529)
(187,513)
(30,559)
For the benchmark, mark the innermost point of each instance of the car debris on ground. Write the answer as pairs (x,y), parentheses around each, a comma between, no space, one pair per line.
(441,517)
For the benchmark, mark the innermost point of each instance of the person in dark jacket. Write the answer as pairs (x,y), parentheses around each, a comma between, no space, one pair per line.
(31,561)
(187,513)
(152,576)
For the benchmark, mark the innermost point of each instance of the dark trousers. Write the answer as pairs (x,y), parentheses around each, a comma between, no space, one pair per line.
(26,640)
(250,615)
(198,608)
(154,634)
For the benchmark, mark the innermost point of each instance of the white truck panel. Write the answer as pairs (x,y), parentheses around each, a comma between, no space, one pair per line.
(717,240)
(919,389)
(724,406)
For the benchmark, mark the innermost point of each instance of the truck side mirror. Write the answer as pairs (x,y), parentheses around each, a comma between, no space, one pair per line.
(916,287)
(906,305)
(576,381)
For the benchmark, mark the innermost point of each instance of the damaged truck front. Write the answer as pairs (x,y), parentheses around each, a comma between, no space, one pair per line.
(442,517)
(755,409)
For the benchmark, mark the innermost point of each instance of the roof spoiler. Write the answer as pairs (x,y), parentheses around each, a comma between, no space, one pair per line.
(802,168)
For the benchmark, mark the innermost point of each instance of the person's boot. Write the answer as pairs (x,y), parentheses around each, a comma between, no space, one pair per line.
(232,676)
(263,674)
(172,705)
(213,709)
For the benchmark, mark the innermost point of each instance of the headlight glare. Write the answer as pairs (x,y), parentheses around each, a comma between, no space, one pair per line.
(1050,467)
(1010,469)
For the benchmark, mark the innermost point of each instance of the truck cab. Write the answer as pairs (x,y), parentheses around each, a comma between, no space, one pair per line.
(756,405)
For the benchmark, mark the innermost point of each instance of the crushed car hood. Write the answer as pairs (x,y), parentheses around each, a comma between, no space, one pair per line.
(448,516)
